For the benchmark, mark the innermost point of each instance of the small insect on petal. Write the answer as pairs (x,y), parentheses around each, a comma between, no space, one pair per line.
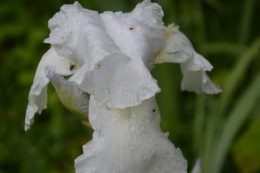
(72,66)
(98,66)
(131,28)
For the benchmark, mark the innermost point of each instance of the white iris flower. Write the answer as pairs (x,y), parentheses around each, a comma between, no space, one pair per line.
(109,56)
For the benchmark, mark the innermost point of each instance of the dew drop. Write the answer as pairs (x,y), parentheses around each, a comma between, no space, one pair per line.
(131,147)
(107,90)
(132,128)
(108,105)
(133,137)
(141,128)
(117,168)
(147,121)
(143,157)
(151,151)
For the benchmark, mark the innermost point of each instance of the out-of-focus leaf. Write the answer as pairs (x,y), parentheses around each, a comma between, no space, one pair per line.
(246,21)
(222,48)
(237,117)
(246,151)
(214,120)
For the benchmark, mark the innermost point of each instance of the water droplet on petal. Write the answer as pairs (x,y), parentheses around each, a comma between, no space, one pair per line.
(133,137)
(151,151)
(143,157)
(132,128)
(117,168)
(141,128)
(147,121)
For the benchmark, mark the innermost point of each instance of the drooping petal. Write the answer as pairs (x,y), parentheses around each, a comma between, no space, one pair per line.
(120,82)
(197,81)
(129,140)
(178,49)
(38,92)
(73,98)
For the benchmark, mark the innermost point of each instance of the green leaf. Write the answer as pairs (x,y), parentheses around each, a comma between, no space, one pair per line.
(237,117)
(247,149)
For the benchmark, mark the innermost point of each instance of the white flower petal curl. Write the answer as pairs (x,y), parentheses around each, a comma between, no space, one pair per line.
(73,98)
(178,49)
(198,81)
(129,140)
(125,84)
(66,27)
(136,38)
(91,37)
(132,44)
(149,13)
(38,92)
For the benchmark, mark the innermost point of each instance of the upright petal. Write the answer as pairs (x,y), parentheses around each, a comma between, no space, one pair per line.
(129,140)
(178,49)
(66,27)
(136,38)
(38,92)
(149,13)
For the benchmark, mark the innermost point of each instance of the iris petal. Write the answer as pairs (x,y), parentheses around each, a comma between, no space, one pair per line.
(129,140)
(38,92)
(73,98)
(178,49)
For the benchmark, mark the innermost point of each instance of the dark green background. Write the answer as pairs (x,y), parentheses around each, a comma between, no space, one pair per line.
(222,31)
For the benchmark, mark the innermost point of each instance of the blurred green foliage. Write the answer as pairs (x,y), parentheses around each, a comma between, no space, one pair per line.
(203,126)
